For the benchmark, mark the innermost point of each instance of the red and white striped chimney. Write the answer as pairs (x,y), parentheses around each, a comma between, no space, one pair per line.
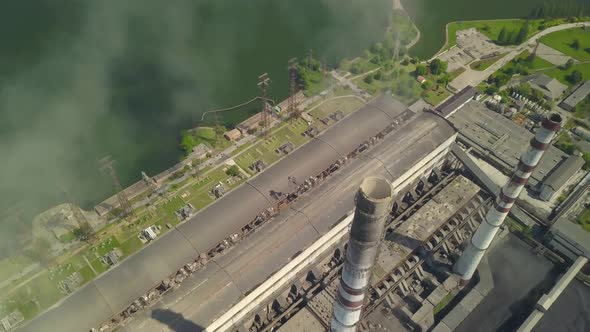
(373,204)
(483,237)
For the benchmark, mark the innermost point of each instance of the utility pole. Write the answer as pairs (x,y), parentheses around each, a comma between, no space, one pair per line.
(107,165)
(150,182)
(293,89)
(263,84)
(534,53)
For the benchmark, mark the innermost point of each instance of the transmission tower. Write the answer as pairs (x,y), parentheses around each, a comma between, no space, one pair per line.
(78,215)
(293,89)
(218,131)
(150,182)
(263,84)
(107,165)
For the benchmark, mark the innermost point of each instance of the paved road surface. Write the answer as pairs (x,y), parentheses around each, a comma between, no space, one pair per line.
(474,77)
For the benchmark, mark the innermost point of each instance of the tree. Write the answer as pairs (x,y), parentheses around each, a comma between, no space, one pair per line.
(575,77)
(426,85)
(437,66)
(576,44)
(444,79)
(355,68)
(378,75)
(377,48)
(491,89)
(421,70)
(85,233)
(502,36)
(568,64)
(368,79)
(522,33)
(233,171)
(187,142)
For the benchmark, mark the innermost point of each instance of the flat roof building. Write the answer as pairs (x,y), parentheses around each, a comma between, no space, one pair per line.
(550,87)
(569,238)
(576,97)
(560,176)
(457,101)
(500,141)
(232,135)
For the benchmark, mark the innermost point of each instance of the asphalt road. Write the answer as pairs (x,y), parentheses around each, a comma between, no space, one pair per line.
(222,282)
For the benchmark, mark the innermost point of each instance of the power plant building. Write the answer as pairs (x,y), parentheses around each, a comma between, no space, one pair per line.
(560,176)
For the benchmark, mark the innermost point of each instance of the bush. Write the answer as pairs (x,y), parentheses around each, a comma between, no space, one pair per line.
(575,77)
(421,70)
(233,171)
(368,79)
(491,89)
(437,66)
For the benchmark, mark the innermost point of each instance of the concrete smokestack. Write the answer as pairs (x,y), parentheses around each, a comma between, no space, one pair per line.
(373,204)
(481,240)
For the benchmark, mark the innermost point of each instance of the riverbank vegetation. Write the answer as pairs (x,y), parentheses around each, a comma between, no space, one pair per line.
(212,137)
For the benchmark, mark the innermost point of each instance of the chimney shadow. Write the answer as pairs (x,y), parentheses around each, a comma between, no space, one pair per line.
(175,321)
(404,240)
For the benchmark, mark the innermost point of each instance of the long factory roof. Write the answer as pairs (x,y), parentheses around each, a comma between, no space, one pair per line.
(116,289)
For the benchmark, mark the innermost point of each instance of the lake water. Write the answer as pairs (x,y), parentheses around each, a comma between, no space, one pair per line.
(83,79)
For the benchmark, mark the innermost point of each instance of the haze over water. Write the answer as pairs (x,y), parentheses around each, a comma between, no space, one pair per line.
(83,79)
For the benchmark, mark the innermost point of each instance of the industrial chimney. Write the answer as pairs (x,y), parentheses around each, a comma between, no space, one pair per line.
(373,204)
(481,240)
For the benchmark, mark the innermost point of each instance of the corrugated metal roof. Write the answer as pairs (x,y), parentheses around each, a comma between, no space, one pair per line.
(451,104)
(577,95)
(564,172)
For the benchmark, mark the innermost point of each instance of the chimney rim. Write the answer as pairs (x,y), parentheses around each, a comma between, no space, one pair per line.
(376,189)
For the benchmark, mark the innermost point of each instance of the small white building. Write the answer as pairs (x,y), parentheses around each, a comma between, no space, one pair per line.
(150,233)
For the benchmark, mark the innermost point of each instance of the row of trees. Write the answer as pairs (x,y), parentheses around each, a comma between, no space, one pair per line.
(435,67)
(309,71)
(513,37)
(559,8)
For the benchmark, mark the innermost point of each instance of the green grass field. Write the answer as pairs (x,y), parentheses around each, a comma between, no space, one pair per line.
(561,75)
(562,41)
(436,94)
(455,73)
(584,219)
(265,149)
(490,28)
(12,265)
(484,64)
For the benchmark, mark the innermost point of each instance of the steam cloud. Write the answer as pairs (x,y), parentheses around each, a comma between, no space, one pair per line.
(85,79)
